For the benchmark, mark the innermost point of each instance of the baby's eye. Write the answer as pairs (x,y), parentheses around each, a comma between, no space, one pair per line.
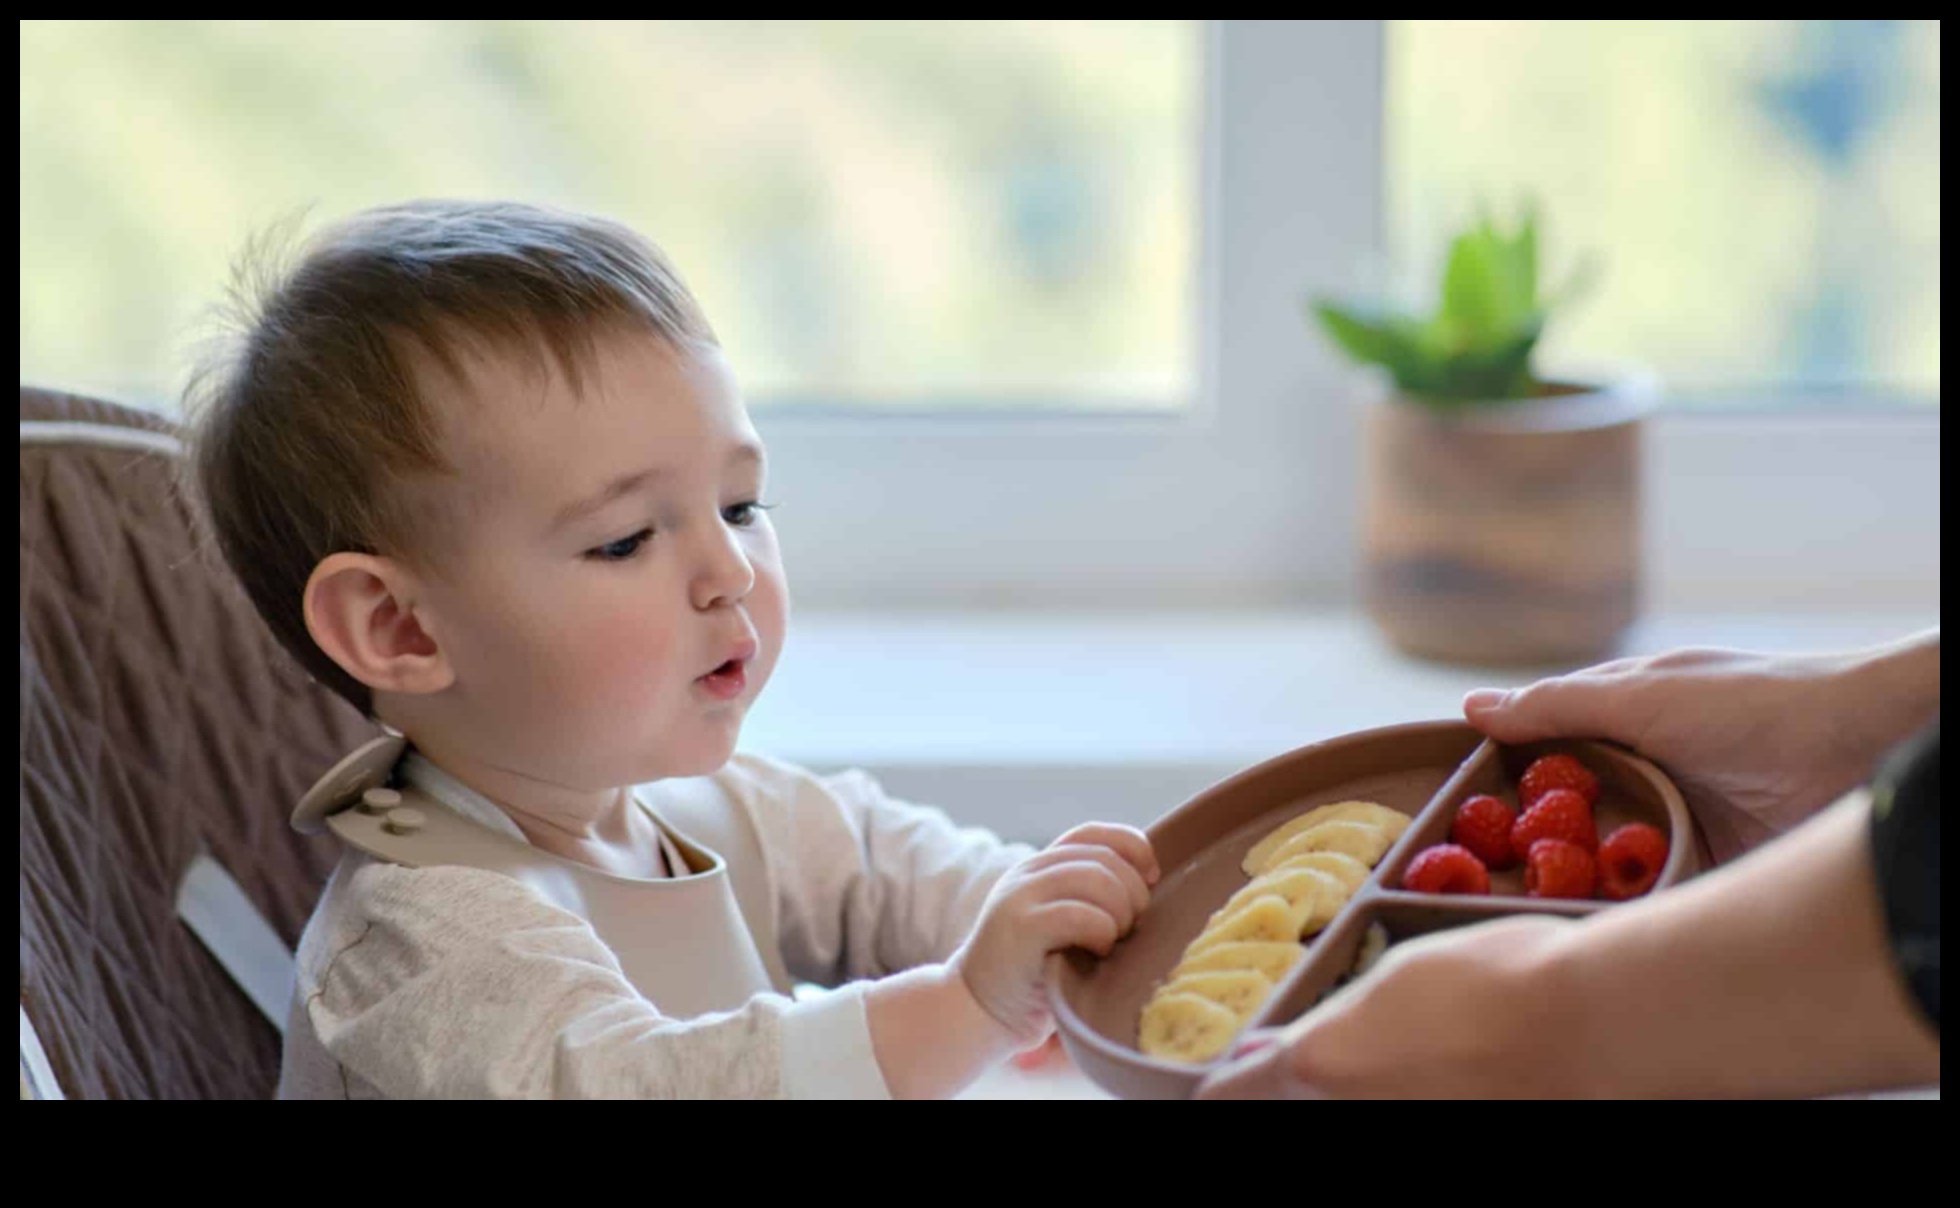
(742,515)
(622,549)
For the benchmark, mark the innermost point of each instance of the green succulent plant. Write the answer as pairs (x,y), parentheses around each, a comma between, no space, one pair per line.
(1478,344)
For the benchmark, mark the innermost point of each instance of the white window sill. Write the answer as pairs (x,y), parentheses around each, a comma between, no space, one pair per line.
(1028,723)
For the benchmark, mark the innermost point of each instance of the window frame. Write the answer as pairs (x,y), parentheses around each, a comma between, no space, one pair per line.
(1248,495)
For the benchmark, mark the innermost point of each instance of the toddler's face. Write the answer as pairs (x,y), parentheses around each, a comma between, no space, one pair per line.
(617,600)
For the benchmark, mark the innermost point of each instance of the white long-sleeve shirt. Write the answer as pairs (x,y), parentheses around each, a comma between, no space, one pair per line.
(454,981)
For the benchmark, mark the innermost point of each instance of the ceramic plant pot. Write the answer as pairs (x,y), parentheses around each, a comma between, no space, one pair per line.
(1504,533)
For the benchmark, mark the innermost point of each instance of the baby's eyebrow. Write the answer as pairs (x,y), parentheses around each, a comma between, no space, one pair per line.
(578,510)
(626,484)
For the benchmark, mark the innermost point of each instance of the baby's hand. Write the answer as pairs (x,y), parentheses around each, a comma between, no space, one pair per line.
(1085,890)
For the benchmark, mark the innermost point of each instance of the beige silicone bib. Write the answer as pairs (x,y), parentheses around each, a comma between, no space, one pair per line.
(682,941)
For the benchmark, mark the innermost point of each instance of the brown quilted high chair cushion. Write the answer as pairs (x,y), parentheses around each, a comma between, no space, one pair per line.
(158,718)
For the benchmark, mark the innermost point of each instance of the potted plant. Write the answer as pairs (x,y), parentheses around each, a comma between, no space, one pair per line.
(1501,509)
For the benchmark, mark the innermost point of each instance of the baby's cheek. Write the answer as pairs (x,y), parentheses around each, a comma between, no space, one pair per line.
(617,665)
(768,608)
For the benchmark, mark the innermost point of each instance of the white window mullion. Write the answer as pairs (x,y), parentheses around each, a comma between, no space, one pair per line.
(1244,498)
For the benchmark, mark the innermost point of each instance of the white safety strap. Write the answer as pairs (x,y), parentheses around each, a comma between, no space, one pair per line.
(36,1075)
(107,436)
(217,911)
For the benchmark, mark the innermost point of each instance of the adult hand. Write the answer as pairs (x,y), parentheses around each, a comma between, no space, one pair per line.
(1757,742)
(1771,976)
(1453,1014)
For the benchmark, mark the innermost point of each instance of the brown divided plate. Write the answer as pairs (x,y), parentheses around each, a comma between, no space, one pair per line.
(1425,770)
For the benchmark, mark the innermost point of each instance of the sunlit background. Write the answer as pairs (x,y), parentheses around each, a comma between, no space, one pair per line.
(906,213)
(1763,196)
(947,214)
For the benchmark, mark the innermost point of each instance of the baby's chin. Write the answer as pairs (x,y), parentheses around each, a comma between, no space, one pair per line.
(698,759)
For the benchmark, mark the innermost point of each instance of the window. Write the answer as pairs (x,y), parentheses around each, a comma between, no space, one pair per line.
(888,213)
(1764,196)
(1150,422)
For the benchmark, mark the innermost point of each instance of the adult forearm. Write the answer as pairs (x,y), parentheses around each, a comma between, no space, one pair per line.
(1892,691)
(1771,976)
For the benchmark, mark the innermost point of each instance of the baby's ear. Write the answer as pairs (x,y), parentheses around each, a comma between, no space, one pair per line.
(355,614)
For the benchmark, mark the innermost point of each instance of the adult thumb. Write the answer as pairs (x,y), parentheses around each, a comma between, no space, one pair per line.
(1264,1073)
(1571,706)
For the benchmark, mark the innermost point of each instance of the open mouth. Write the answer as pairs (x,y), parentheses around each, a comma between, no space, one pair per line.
(726,681)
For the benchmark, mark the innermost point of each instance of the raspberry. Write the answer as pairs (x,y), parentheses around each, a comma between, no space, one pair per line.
(1630,861)
(1557,772)
(1483,824)
(1447,868)
(1557,869)
(1559,814)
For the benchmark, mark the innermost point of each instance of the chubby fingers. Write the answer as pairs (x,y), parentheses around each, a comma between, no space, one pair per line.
(1129,842)
(1107,859)
(1074,923)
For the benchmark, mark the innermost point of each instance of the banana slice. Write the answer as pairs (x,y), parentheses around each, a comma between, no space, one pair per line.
(1373,945)
(1269,918)
(1390,822)
(1302,874)
(1269,959)
(1346,869)
(1239,991)
(1185,1027)
(1321,892)
(1364,841)
(1295,885)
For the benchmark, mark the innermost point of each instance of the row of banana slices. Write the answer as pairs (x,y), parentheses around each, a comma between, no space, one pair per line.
(1302,874)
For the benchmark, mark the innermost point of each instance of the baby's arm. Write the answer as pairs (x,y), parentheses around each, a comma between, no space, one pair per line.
(868,886)
(865,885)
(937,1028)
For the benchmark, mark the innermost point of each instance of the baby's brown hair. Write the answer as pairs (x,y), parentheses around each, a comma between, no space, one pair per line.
(306,416)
